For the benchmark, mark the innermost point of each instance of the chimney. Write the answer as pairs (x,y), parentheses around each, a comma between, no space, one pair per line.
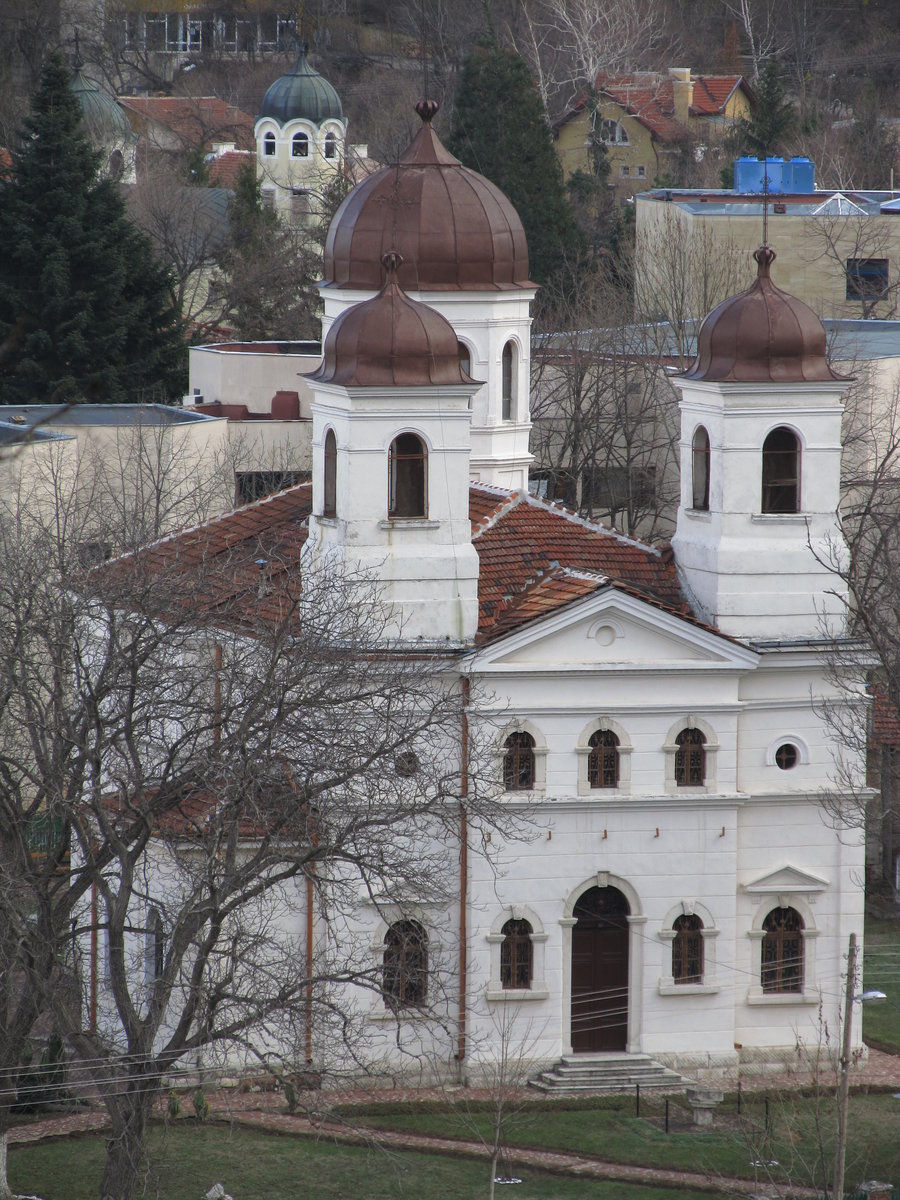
(682,92)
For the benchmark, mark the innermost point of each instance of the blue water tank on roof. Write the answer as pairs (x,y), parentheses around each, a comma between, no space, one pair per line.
(799,176)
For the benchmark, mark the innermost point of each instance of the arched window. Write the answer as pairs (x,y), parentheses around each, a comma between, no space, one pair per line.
(329,502)
(406,477)
(700,470)
(330,145)
(612,133)
(404,982)
(154,949)
(508,380)
(690,758)
(782,951)
(269,145)
(299,146)
(687,950)
(516,956)
(603,759)
(781,472)
(465,358)
(518,762)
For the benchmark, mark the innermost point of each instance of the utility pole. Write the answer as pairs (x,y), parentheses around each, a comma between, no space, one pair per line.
(837,1186)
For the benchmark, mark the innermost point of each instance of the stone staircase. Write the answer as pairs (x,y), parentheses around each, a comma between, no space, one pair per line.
(577,1073)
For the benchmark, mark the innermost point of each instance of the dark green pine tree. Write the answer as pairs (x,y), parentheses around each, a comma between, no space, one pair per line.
(86,312)
(774,118)
(500,129)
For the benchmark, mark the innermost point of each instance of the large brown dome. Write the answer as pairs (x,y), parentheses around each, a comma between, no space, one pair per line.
(391,341)
(454,229)
(762,335)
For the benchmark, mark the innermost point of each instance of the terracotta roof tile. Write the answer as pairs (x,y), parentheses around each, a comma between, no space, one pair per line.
(712,92)
(224,168)
(196,120)
(534,558)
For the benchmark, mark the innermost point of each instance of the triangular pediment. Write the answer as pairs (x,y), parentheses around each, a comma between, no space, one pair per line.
(614,630)
(784,880)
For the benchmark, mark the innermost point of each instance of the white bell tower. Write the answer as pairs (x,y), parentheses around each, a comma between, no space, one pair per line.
(758,543)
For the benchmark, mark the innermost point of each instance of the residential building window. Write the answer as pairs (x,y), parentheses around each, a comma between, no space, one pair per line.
(407,462)
(518,762)
(642,172)
(405,965)
(299,146)
(612,133)
(687,950)
(782,951)
(508,380)
(301,205)
(603,759)
(516,956)
(624,171)
(269,145)
(329,501)
(867,279)
(690,758)
(781,472)
(700,470)
(330,145)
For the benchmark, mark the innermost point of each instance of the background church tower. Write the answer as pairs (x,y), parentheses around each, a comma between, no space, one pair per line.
(758,537)
(300,141)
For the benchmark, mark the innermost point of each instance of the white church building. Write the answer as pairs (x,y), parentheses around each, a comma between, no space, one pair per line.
(659,712)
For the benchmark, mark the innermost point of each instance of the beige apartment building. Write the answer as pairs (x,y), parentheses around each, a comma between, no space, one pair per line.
(839,252)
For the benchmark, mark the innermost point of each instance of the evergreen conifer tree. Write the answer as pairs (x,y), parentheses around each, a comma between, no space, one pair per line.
(500,129)
(774,117)
(85,310)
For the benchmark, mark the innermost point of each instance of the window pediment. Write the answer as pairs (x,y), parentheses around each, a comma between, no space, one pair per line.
(786,880)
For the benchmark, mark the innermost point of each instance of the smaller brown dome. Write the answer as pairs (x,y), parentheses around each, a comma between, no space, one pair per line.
(762,335)
(391,341)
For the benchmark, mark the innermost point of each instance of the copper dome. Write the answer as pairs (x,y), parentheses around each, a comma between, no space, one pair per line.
(391,341)
(762,335)
(455,230)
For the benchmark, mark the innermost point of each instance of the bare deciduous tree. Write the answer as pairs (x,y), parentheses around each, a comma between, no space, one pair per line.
(194,749)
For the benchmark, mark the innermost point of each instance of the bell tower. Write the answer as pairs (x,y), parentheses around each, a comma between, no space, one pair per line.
(391,422)
(758,542)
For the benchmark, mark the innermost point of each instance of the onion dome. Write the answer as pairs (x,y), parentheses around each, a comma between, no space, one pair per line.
(301,94)
(762,335)
(103,119)
(391,341)
(455,230)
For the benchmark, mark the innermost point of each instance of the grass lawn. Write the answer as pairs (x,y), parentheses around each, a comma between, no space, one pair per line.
(188,1159)
(881,969)
(608,1129)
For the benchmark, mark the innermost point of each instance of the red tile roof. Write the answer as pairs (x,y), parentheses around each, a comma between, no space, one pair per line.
(650,99)
(195,120)
(223,170)
(535,558)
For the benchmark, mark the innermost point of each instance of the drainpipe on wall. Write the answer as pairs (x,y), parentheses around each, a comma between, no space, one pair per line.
(463,873)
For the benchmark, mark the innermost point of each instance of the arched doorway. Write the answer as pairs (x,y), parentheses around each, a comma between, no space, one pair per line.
(600,971)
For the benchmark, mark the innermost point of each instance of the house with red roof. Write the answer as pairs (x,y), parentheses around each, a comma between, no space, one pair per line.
(645,118)
(653,716)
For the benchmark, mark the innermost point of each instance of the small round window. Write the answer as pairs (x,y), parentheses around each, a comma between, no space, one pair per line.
(787,756)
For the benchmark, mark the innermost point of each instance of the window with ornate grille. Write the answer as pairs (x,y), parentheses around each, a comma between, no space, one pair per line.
(406,477)
(516,956)
(603,760)
(518,762)
(690,758)
(687,950)
(404,982)
(782,951)
(781,472)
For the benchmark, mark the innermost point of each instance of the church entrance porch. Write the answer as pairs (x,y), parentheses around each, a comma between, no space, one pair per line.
(600,971)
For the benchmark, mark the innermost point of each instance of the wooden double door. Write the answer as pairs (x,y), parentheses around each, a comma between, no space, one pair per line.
(600,971)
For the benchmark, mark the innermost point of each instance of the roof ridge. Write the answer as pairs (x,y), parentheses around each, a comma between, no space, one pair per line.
(513,500)
(593,526)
